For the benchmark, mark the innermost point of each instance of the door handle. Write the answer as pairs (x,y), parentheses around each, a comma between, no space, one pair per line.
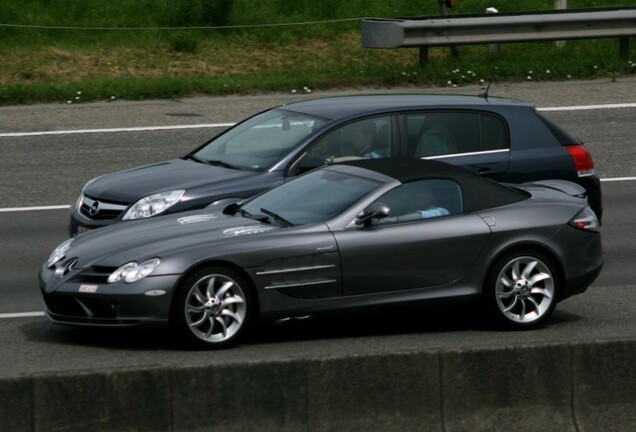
(486,172)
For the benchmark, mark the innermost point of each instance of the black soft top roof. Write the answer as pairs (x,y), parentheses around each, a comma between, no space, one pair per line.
(479,193)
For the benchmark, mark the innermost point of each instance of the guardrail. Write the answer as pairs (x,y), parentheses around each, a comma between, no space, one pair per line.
(425,32)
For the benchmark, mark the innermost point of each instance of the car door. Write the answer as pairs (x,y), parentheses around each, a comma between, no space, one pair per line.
(408,251)
(476,140)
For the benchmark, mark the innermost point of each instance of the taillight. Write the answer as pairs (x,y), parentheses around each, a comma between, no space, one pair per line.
(582,159)
(586,220)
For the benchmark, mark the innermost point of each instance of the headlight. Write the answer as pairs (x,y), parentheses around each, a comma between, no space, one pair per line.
(154,204)
(59,253)
(132,272)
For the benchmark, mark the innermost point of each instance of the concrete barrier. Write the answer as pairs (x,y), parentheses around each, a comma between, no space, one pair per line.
(575,387)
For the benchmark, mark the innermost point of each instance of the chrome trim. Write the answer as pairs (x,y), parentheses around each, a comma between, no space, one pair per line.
(64,269)
(293,285)
(299,269)
(453,155)
(102,205)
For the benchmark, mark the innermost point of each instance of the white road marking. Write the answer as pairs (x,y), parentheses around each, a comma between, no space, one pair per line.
(130,129)
(618,179)
(37,208)
(588,107)
(219,125)
(21,315)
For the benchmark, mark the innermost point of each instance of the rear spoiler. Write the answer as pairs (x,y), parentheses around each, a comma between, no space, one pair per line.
(567,187)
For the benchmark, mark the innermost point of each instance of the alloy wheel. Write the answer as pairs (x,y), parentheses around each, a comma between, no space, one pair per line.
(215,308)
(525,290)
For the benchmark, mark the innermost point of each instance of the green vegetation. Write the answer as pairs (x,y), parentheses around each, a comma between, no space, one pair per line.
(52,49)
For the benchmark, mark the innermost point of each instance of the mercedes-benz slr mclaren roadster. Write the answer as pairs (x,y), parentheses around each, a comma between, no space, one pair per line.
(350,236)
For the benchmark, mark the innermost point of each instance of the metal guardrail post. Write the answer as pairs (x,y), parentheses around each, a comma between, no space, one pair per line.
(623,50)
(424,49)
(494,48)
(560,4)
(423,55)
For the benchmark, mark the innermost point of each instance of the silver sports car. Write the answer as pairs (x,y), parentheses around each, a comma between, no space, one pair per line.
(350,236)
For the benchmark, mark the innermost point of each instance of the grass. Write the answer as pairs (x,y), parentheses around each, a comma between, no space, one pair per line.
(53,65)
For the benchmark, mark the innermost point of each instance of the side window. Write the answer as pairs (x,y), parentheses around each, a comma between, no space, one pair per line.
(433,134)
(422,199)
(494,135)
(368,138)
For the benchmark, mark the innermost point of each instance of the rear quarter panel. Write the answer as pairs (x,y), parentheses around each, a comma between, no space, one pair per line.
(535,152)
(529,225)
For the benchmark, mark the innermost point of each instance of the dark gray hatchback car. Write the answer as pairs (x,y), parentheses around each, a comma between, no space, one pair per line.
(505,140)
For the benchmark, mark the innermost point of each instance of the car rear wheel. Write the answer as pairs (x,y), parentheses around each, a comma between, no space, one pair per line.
(213,308)
(521,290)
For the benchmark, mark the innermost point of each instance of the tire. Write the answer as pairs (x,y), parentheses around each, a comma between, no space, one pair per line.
(521,290)
(213,309)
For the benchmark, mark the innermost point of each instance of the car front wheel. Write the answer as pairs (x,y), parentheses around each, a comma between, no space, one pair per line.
(213,308)
(521,290)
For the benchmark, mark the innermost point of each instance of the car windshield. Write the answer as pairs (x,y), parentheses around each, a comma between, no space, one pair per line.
(260,141)
(314,197)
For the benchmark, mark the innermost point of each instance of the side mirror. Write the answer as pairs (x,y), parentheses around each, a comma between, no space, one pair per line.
(230,208)
(376,210)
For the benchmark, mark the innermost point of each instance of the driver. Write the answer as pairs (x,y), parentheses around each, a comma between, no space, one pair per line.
(362,138)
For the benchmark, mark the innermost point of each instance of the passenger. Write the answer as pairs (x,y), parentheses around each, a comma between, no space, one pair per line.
(421,205)
(437,140)
(431,212)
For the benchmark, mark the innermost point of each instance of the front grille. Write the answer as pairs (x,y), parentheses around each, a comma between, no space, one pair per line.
(100,210)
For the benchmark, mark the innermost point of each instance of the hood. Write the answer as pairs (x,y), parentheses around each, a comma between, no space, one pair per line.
(135,183)
(158,237)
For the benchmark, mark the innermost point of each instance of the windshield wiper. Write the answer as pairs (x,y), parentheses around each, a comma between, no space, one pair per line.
(196,159)
(221,164)
(244,213)
(211,162)
(278,218)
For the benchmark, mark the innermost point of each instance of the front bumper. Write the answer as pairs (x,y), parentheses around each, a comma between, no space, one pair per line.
(147,301)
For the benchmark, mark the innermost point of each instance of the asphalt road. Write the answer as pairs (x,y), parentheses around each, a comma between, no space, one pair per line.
(49,170)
